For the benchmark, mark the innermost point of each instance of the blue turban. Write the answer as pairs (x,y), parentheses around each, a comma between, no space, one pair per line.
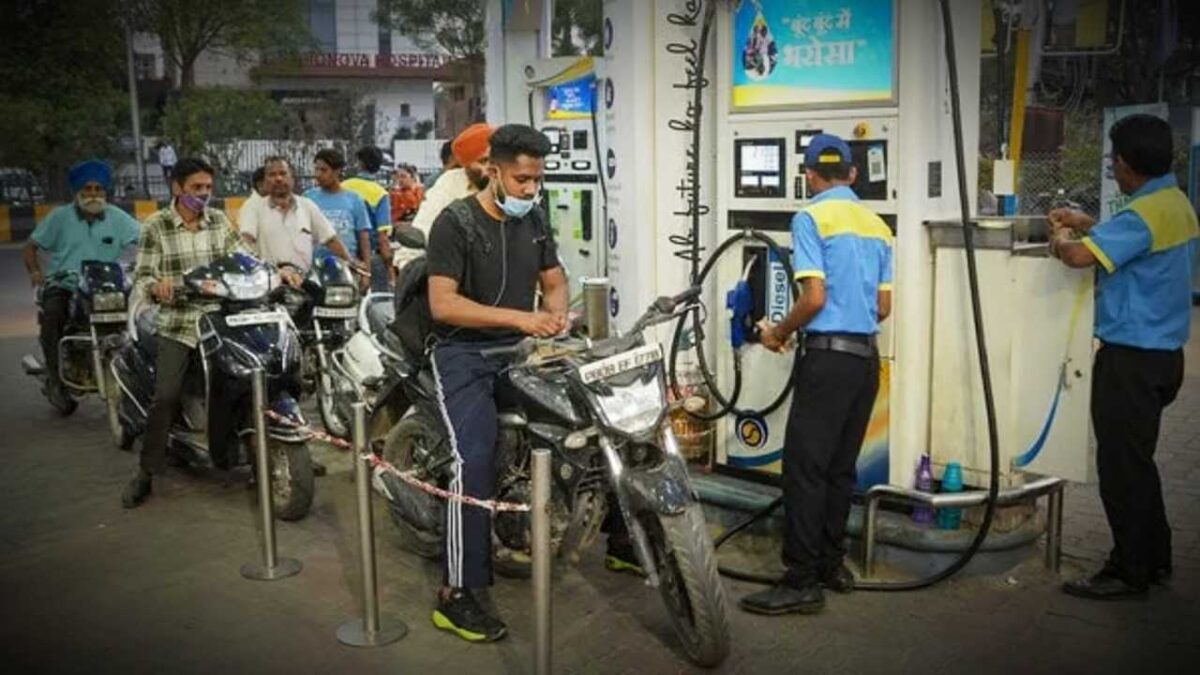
(87,171)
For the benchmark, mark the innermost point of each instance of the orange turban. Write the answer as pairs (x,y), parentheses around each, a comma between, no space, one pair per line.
(471,144)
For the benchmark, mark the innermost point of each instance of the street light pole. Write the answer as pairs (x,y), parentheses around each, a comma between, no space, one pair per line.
(134,112)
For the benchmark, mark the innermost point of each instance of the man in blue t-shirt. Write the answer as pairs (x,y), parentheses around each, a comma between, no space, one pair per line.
(345,210)
(1144,256)
(87,229)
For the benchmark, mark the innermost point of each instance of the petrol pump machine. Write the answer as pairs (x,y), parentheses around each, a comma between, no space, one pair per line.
(786,72)
(562,104)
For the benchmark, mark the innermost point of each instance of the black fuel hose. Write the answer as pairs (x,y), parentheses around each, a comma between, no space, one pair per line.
(984,369)
(726,405)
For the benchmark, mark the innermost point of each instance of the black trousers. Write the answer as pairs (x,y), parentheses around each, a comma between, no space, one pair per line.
(831,407)
(56,310)
(224,413)
(1130,388)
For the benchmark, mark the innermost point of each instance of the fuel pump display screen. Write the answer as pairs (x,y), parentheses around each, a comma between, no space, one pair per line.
(759,167)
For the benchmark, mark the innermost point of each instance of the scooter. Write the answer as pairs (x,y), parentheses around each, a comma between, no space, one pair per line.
(246,329)
(95,331)
(601,408)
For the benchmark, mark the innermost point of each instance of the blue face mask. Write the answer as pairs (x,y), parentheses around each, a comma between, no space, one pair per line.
(513,207)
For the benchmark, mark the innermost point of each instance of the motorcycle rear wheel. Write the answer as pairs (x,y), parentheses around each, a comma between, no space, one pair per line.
(689,584)
(292,482)
(398,451)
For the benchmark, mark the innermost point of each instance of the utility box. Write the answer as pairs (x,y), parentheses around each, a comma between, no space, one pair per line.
(1037,318)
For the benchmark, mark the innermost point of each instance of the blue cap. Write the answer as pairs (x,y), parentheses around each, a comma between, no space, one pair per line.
(87,171)
(826,149)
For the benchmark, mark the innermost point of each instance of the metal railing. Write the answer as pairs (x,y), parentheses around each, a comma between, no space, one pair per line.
(1050,487)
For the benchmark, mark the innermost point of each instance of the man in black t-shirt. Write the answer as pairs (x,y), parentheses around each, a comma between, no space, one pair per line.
(486,257)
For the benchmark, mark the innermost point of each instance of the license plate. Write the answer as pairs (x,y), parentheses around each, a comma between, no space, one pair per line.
(335,312)
(621,363)
(252,318)
(109,317)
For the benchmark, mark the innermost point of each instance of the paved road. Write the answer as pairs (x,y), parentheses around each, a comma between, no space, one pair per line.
(89,587)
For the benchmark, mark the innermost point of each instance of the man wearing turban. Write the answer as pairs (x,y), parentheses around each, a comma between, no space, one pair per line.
(470,149)
(89,228)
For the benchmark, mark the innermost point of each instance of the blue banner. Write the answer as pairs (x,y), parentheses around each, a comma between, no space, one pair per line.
(571,100)
(796,53)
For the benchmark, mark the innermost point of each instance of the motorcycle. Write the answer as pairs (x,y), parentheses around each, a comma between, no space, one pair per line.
(325,311)
(601,408)
(95,331)
(371,364)
(247,330)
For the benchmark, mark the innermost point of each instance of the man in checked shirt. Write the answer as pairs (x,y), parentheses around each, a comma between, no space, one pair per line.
(178,238)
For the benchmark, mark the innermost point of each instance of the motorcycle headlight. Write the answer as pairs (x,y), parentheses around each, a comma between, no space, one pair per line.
(109,301)
(633,408)
(252,286)
(340,296)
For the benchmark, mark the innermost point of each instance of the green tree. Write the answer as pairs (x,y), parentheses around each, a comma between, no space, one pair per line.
(576,27)
(455,26)
(53,112)
(212,121)
(274,28)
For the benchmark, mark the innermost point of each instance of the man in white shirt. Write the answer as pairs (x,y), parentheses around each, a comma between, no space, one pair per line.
(285,228)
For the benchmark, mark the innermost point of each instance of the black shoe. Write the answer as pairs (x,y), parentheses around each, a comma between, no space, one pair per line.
(1161,576)
(784,599)
(136,491)
(840,580)
(58,396)
(511,564)
(620,557)
(318,469)
(1104,585)
(461,614)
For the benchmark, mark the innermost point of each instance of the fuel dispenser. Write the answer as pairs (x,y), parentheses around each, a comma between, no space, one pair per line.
(562,105)
(728,130)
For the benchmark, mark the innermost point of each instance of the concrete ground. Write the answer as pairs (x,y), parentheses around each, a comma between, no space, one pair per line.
(86,586)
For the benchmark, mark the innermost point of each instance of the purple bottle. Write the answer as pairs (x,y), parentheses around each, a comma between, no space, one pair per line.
(921,513)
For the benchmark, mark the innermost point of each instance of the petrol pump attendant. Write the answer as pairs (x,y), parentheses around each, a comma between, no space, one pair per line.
(843,258)
(379,206)
(1145,254)
(89,228)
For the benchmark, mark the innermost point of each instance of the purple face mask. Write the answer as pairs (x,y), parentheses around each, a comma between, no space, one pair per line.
(194,203)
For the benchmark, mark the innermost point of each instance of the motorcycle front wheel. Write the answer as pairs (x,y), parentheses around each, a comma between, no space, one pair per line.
(292,481)
(689,584)
(327,405)
(112,404)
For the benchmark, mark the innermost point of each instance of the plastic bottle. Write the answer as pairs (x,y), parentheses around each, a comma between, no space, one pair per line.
(921,513)
(950,518)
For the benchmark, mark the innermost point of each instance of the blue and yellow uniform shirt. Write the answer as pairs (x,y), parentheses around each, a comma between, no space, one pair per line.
(843,242)
(379,203)
(70,240)
(1147,252)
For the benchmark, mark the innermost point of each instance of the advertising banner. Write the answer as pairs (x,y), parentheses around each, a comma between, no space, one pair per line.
(571,100)
(813,53)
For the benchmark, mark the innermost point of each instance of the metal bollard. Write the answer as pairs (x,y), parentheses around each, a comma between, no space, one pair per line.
(272,567)
(367,632)
(1054,516)
(540,514)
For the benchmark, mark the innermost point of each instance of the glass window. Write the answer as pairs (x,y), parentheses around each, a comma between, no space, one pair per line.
(322,20)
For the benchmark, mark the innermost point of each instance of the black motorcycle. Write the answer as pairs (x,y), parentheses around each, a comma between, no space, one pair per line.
(601,408)
(247,329)
(95,331)
(325,310)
